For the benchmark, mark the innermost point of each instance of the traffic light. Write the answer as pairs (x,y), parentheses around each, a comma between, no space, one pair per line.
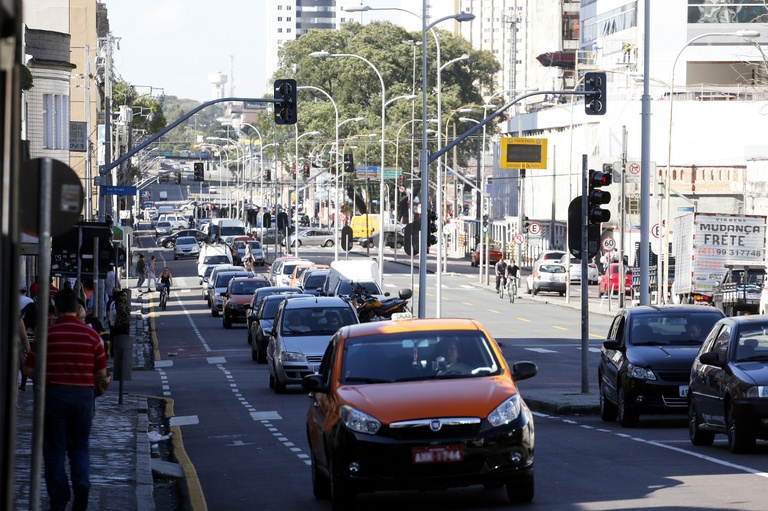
(305,171)
(402,179)
(595,103)
(526,224)
(267,175)
(485,223)
(349,163)
(199,171)
(596,198)
(285,107)
(178,178)
(432,228)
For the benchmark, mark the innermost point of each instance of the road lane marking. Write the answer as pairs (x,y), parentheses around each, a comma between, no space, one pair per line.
(184,420)
(466,303)
(559,327)
(541,350)
(524,320)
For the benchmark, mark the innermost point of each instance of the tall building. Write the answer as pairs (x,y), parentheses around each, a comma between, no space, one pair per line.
(289,19)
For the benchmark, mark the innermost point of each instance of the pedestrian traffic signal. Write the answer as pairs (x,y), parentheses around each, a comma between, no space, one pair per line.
(598,198)
(178,178)
(349,163)
(199,171)
(305,171)
(432,228)
(285,107)
(595,100)
(485,223)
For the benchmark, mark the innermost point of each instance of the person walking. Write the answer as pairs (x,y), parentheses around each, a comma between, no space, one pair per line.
(151,276)
(76,362)
(141,271)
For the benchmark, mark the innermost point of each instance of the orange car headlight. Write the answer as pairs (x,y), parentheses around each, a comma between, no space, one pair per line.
(359,421)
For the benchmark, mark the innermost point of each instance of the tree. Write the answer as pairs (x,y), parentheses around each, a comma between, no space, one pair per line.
(356,88)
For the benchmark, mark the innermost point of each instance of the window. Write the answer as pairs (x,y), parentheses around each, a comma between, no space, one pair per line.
(55,121)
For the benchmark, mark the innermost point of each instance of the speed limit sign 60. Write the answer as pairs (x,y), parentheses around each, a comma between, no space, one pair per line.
(609,244)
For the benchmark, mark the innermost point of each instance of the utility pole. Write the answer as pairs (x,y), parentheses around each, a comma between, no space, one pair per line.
(88,174)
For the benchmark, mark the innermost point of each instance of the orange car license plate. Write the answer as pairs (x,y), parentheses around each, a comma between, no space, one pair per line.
(438,454)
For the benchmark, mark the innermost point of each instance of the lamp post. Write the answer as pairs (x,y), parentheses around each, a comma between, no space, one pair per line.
(325,54)
(261,156)
(298,173)
(667,219)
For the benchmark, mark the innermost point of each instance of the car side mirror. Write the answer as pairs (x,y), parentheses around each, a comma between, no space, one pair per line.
(524,370)
(710,358)
(314,383)
(612,344)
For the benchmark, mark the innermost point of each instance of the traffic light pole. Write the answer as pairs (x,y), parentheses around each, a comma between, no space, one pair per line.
(584,281)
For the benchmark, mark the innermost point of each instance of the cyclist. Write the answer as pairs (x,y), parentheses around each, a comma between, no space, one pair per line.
(166,279)
(513,271)
(501,273)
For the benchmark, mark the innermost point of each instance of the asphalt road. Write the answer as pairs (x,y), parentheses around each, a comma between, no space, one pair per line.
(249,449)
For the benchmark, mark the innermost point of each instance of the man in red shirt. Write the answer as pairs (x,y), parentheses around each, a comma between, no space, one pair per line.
(76,362)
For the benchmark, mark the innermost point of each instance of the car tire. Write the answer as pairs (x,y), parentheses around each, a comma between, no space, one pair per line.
(271,381)
(342,496)
(227,322)
(328,243)
(521,489)
(535,291)
(254,355)
(608,410)
(279,386)
(398,245)
(738,441)
(321,486)
(628,418)
(214,312)
(698,437)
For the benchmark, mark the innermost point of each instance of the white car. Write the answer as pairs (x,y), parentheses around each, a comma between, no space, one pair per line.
(186,246)
(547,277)
(575,269)
(163,228)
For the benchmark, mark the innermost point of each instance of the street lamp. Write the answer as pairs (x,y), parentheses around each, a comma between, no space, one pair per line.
(298,173)
(739,33)
(325,54)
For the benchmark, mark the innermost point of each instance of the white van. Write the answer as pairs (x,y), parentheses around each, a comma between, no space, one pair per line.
(345,275)
(226,229)
(177,221)
(212,255)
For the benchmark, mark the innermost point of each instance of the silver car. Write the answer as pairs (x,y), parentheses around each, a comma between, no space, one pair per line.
(300,334)
(186,246)
(313,237)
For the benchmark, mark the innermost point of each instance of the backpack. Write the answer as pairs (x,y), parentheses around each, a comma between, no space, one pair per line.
(146,267)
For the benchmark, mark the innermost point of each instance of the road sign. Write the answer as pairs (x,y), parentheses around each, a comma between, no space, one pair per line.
(633,169)
(66,196)
(657,231)
(118,190)
(534,228)
(346,238)
(609,244)
(519,238)
(632,172)
(523,153)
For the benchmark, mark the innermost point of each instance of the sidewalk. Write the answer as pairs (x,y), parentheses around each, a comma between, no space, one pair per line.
(121,463)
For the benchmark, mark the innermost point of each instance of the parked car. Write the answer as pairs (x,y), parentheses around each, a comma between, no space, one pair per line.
(729,384)
(300,334)
(237,297)
(610,280)
(261,327)
(575,270)
(547,277)
(645,362)
(389,240)
(186,246)
(494,254)
(391,398)
(312,237)
(553,256)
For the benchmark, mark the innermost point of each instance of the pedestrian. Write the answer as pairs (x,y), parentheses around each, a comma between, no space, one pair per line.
(141,270)
(76,363)
(151,276)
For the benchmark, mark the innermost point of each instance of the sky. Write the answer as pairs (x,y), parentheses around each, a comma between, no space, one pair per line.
(174,45)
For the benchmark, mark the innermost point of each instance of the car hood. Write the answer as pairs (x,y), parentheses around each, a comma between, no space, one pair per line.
(669,358)
(755,372)
(307,344)
(464,397)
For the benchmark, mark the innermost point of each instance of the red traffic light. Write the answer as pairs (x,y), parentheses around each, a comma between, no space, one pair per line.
(598,179)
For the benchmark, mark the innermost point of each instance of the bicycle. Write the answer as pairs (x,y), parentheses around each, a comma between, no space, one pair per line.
(163,296)
(512,291)
(502,286)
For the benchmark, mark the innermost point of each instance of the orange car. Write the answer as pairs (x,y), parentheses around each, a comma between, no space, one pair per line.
(237,298)
(418,404)
(494,254)
(299,270)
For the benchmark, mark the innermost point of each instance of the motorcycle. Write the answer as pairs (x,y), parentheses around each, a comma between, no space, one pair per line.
(369,308)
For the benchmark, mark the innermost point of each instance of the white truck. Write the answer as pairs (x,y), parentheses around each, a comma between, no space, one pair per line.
(346,275)
(704,243)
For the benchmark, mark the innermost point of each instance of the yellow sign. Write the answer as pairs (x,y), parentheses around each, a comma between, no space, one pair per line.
(523,153)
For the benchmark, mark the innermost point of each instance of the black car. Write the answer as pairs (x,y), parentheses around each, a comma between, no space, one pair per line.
(312,280)
(170,240)
(389,240)
(260,318)
(645,363)
(729,384)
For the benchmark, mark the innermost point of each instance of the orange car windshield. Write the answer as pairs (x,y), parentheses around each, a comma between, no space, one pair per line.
(412,356)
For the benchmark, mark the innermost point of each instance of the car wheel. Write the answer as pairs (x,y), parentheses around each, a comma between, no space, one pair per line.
(535,291)
(738,441)
(562,293)
(214,312)
(271,382)
(521,489)
(279,386)
(321,486)
(398,245)
(254,354)
(698,437)
(628,418)
(342,496)
(227,322)
(328,243)
(608,410)
(262,352)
